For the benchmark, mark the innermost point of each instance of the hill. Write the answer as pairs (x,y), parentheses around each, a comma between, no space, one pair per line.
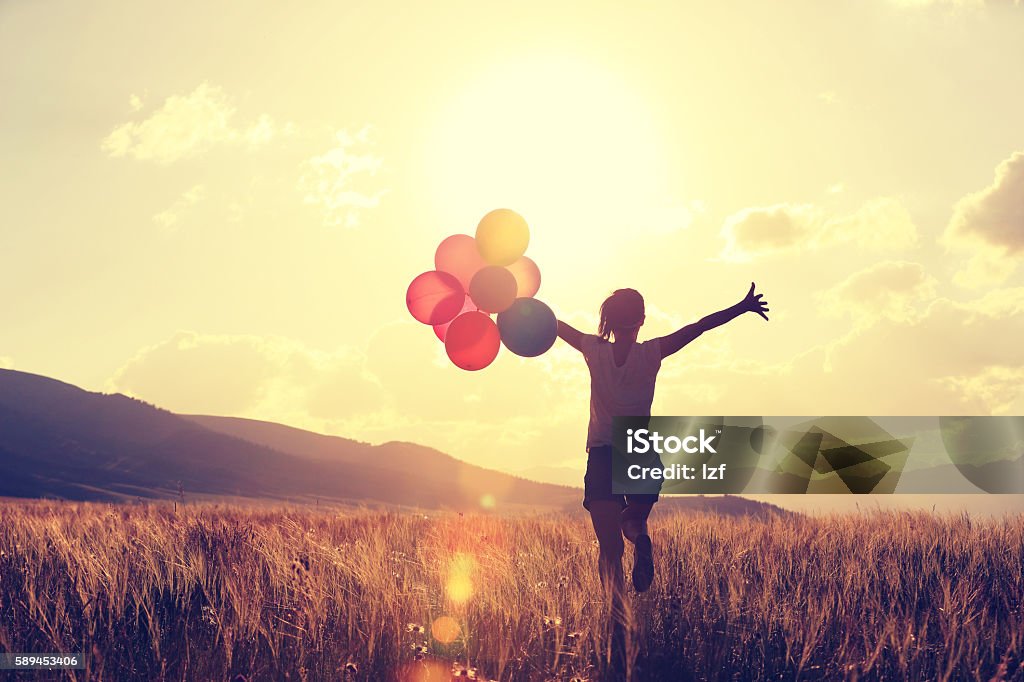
(57,440)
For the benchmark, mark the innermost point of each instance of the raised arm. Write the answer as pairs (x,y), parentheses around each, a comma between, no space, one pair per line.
(573,337)
(750,304)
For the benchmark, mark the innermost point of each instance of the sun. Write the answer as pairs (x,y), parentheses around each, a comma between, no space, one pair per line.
(564,141)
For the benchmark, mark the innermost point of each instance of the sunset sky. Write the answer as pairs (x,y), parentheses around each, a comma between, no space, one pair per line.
(217,208)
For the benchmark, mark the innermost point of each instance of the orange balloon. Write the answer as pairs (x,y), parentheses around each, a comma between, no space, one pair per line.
(442,329)
(502,236)
(527,276)
(458,255)
(435,297)
(472,341)
(493,289)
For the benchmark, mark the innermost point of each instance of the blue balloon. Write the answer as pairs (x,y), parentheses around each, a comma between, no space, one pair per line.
(528,328)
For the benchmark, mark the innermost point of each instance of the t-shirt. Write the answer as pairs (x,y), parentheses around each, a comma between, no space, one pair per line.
(625,391)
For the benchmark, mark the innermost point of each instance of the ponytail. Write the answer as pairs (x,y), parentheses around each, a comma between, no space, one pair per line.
(624,309)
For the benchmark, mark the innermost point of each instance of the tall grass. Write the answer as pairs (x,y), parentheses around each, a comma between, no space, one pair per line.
(210,592)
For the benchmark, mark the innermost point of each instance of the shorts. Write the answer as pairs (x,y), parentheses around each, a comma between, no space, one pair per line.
(597,483)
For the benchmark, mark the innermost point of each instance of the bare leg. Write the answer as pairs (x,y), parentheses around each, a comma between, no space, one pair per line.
(634,520)
(634,527)
(605,515)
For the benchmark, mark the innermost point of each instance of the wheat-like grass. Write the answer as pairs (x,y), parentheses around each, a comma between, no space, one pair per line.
(208,592)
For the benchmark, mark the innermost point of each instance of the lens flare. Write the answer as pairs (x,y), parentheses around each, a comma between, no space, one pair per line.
(445,629)
(460,578)
(425,671)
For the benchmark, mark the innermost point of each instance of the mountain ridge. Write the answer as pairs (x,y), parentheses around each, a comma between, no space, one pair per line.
(59,440)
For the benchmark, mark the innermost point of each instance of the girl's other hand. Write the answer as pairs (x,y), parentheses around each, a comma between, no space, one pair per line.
(754,303)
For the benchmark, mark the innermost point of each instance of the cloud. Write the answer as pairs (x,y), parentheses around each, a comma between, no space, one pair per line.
(185,126)
(263,378)
(401,387)
(989,224)
(952,358)
(880,224)
(889,289)
(168,218)
(329,179)
(998,388)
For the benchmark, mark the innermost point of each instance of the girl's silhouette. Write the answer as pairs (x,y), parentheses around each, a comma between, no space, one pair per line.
(622,376)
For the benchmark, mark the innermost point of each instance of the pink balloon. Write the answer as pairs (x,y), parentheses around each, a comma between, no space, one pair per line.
(435,297)
(442,329)
(472,341)
(527,276)
(458,255)
(493,289)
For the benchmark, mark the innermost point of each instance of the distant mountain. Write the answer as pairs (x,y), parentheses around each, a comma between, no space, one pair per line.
(402,455)
(394,456)
(723,505)
(559,475)
(57,440)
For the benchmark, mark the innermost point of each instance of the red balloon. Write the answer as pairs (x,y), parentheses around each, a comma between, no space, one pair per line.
(442,329)
(493,289)
(458,255)
(472,341)
(435,297)
(527,276)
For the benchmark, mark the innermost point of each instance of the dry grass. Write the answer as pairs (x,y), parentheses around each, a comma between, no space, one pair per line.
(305,594)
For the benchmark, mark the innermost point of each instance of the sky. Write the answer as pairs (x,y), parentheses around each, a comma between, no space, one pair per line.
(218,208)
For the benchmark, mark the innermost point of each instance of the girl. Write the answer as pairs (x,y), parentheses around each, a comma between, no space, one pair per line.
(622,376)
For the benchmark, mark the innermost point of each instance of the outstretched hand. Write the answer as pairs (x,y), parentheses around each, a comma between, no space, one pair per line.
(754,304)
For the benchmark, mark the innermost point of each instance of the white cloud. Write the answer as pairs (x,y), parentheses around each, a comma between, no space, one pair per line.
(951,358)
(330,179)
(890,289)
(879,224)
(989,225)
(169,217)
(258,377)
(997,387)
(402,387)
(185,126)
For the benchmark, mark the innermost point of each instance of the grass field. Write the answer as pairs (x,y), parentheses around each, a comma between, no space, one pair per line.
(211,592)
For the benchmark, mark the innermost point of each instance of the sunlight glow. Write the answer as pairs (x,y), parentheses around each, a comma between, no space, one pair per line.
(561,140)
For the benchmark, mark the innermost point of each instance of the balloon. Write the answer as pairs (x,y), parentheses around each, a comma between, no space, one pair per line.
(493,289)
(502,236)
(472,341)
(435,297)
(458,255)
(442,329)
(527,276)
(528,328)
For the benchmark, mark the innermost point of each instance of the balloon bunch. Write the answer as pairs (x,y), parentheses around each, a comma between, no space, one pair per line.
(475,277)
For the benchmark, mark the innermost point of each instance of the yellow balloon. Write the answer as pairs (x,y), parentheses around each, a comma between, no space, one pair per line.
(502,236)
